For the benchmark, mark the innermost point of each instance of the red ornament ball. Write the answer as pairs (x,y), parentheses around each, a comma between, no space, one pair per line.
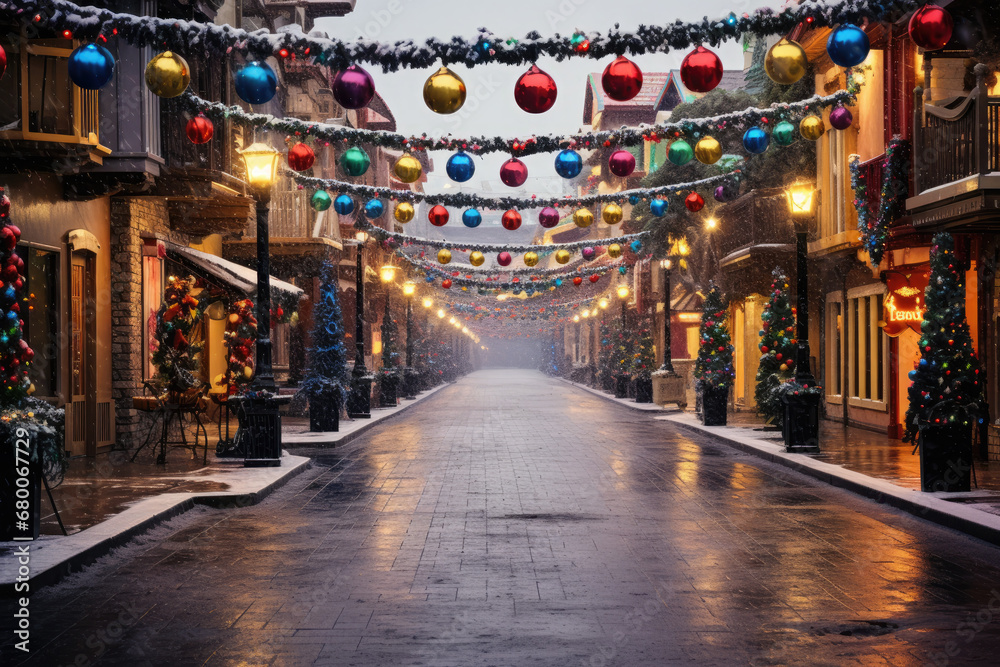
(594,278)
(577,281)
(621,163)
(300,157)
(694,202)
(622,79)
(511,220)
(931,27)
(513,173)
(535,91)
(701,70)
(548,217)
(4,204)
(446,283)
(504,258)
(199,130)
(438,215)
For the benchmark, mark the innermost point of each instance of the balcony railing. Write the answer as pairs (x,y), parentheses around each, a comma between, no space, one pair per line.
(871,172)
(291,217)
(757,219)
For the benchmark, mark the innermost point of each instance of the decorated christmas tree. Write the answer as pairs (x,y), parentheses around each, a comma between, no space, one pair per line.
(240,339)
(713,369)
(777,350)
(643,353)
(391,362)
(605,367)
(947,388)
(621,350)
(176,356)
(326,379)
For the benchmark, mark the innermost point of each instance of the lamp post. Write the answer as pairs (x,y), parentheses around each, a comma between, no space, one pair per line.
(359,401)
(801,422)
(667,366)
(389,381)
(621,378)
(409,373)
(262,419)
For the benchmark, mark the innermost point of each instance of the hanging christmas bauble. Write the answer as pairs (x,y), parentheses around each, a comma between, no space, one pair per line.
(783,133)
(634,246)
(812,127)
(511,220)
(588,253)
(438,215)
(444,92)
(614,251)
(471,217)
(374,208)
(577,280)
(355,161)
(300,157)
(321,200)
(343,205)
(701,70)
(548,217)
(680,152)
(404,212)
(755,140)
(848,45)
(611,214)
(562,256)
(256,82)
(91,66)
(353,88)
(167,74)
(535,91)
(840,118)
(658,207)
(476,258)
(530,258)
(407,168)
(708,150)
(199,130)
(569,164)
(785,62)
(446,283)
(694,202)
(931,27)
(594,277)
(721,194)
(460,167)
(583,217)
(621,163)
(504,258)
(622,79)
(513,173)
(444,256)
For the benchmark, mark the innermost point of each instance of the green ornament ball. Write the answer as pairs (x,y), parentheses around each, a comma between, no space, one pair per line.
(321,200)
(355,161)
(680,152)
(784,133)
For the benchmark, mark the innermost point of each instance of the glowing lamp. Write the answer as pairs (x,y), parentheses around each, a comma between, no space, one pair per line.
(387,273)
(623,291)
(409,287)
(441,313)
(603,303)
(801,198)
(665,264)
(261,162)
(428,302)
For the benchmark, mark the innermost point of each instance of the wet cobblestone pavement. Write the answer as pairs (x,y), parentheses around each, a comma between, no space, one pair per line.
(516,520)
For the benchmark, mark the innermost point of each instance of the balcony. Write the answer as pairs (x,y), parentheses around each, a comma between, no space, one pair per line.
(956,164)
(753,227)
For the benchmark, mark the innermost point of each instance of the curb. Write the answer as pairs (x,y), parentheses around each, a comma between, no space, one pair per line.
(86,556)
(631,406)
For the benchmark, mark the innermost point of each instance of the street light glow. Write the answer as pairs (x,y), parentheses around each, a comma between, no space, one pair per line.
(428,302)
(409,287)
(261,162)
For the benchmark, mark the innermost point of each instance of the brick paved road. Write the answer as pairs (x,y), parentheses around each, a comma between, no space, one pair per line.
(515,520)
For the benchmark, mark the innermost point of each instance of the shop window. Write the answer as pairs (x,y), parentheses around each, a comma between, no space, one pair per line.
(866,348)
(834,347)
(40,313)
(152,295)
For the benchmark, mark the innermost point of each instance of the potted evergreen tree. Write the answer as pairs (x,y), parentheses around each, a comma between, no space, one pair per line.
(327,379)
(643,360)
(777,351)
(946,396)
(713,369)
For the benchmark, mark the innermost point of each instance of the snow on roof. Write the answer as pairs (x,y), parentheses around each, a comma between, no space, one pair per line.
(229,273)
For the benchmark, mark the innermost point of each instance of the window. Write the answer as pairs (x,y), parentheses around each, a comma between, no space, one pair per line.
(152,295)
(837,186)
(281,344)
(40,312)
(867,349)
(834,346)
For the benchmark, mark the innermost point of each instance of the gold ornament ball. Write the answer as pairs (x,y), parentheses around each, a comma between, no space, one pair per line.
(444,92)
(786,62)
(783,367)
(233,318)
(167,74)
(614,251)
(444,255)
(530,258)
(583,217)
(247,372)
(612,214)
(407,168)
(812,127)
(476,258)
(708,150)
(562,256)
(404,212)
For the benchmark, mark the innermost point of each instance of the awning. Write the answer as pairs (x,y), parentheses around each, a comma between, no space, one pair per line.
(228,274)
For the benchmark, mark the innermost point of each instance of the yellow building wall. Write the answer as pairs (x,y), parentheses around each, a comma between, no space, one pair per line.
(215,353)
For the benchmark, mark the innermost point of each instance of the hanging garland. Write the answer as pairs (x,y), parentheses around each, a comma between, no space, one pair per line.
(892,196)
(534,284)
(223,41)
(520,271)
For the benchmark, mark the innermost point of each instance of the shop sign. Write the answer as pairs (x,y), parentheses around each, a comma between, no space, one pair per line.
(903,307)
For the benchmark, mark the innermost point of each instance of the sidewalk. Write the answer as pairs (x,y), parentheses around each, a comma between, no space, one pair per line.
(627,402)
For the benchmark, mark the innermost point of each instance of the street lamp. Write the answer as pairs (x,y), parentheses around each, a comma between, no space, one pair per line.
(409,374)
(262,420)
(387,273)
(359,401)
(801,423)
(667,367)
(621,377)
(428,302)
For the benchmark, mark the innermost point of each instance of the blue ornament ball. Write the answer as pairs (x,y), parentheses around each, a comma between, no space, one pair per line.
(91,66)
(636,245)
(471,217)
(374,208)
(848,45)
(622,270)
(569,164)
(343,205)
(755,140)
(256,82)
(460,167)
(658,207)
(912,375)
(429,279)
(633,199)
(558,282)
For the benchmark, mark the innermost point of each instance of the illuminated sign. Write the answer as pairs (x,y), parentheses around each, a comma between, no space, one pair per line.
(903,308)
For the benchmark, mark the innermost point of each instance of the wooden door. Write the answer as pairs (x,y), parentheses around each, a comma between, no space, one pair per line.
(81,434)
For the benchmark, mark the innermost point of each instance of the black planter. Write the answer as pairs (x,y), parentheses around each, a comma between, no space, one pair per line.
(714,406)
(644,390)
(800,427)
(621,386)
(324,414)
(946,458)
(387,391)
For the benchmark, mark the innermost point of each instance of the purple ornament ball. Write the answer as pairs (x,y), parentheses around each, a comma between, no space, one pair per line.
(621,163)
(548,217)
(353,88)
(588,253)
(841,118)
(720,193)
